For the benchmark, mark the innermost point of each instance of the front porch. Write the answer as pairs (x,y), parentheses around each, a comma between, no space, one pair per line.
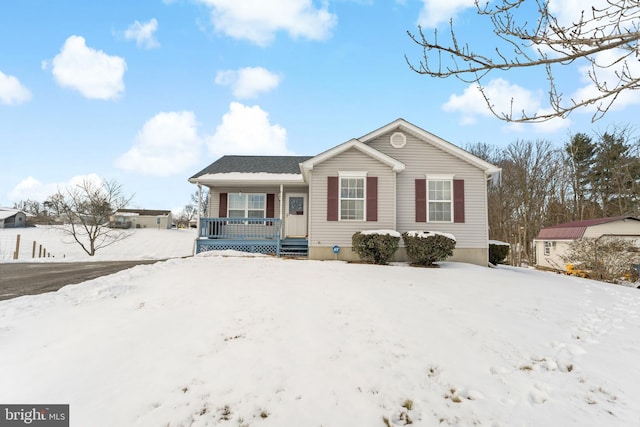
(254,235)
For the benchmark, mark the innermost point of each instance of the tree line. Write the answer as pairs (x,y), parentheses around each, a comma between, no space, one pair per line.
(589,176)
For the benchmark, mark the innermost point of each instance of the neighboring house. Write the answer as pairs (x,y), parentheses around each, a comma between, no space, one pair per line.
(141,218)
(552,243)
(398,177)
(12,218)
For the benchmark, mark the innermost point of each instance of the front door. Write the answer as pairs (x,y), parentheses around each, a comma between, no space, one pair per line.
(296,215)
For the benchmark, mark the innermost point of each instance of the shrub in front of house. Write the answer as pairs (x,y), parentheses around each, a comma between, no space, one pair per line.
(427,248)
(377,246)
(498,252)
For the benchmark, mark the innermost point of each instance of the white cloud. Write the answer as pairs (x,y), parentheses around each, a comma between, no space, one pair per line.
(167,144)
(91,72)
(12,91)
(501,93)
(435,12)
(33,189)
(143,33)
(247,130)
(248,82)
(607,75)
(258,21)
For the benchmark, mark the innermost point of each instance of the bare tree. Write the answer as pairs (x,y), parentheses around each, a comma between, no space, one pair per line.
(87,207)
(607,258)
(184,217)
(545,43)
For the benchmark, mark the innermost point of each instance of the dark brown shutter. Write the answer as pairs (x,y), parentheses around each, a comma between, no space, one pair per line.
(222,209)
(421,200)
(372,198)
(270,206)
(458,200)
(332,198)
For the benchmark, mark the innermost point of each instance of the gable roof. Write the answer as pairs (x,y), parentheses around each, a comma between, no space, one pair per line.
(238,168)
(9,212)
(308,165)
(446,146)
(575,229)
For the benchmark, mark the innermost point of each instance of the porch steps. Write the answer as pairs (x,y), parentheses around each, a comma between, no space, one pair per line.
(294,247)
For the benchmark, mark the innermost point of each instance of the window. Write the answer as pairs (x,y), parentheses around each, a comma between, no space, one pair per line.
(243,205)
(547,248)
(439,200)
(352,198)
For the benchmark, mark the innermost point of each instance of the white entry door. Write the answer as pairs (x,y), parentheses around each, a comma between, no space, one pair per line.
(296,215)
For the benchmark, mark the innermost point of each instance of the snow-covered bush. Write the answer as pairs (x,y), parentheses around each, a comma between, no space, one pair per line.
(426,248)
(498,251)
(377,246)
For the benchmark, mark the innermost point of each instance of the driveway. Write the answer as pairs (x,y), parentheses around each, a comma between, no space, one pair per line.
(17,279)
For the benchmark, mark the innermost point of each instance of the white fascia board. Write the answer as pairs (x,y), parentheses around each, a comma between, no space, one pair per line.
(307,166)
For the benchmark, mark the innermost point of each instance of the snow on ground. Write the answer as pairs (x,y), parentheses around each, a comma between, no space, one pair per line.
(226,340)
(143,243)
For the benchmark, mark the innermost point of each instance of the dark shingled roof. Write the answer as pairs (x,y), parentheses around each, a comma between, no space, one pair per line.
(254,164)
(575,230)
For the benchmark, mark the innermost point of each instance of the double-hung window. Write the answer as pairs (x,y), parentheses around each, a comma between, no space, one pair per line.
(352,196)
(547,248)
(247,205)
(440,199)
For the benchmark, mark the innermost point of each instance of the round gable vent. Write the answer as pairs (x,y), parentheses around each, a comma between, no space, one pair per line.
(398,140)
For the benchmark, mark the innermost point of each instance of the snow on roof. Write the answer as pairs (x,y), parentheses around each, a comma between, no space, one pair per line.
(8,212)
(248,177)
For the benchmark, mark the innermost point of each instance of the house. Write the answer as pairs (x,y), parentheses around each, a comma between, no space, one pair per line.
(12,218)
(141,218)
(552,243)
(397,177)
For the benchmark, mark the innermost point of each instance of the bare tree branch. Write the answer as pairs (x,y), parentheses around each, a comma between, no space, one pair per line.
(546,43)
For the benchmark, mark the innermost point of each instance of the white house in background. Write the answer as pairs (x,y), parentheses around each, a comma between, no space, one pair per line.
(398,177)
(552,242)
(141,218)
(12,218)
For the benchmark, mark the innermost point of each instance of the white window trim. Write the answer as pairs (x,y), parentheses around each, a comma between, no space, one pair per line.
(448,178)
(246,204)
(353,174)
(547,248)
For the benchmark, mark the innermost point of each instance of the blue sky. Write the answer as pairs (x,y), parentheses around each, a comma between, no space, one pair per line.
(149,92)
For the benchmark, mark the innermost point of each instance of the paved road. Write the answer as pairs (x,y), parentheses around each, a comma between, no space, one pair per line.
(17,279)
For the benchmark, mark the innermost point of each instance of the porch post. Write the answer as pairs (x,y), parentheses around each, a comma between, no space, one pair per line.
(281,201)
(199,207)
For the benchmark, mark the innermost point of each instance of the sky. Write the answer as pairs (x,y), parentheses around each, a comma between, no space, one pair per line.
(350,344)
(148,93)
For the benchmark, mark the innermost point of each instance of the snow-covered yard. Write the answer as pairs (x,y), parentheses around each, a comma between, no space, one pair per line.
(231,340)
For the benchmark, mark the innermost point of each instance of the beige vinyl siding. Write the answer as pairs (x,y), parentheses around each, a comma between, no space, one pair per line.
(421,158)
(556,252)
(147,221)
(620,228)
(329,233)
